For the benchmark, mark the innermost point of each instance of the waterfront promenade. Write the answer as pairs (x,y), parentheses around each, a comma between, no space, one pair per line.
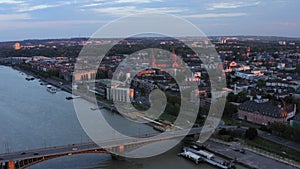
(253,158)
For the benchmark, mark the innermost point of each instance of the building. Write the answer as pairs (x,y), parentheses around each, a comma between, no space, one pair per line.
(295,122)
(120,94)
(196,94)
(265,113)
(84,75)
(279,83)
(249,75)
(17,46)
(113,90)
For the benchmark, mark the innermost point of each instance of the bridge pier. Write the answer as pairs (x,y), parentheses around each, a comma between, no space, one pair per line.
(196,136)
(8,165)
(116,157)
(11,165)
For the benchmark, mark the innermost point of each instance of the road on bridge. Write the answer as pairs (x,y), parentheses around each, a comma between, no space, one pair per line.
(105,144)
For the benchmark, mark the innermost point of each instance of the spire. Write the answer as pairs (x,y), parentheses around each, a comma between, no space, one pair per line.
(175,64)
(248,51)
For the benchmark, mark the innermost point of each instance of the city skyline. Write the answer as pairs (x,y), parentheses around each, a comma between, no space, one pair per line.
(66,19)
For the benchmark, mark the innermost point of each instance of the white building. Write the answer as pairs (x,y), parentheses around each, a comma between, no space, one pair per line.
(249,75)
(120,94)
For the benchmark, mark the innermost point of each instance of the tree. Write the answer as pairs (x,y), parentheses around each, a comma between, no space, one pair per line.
(229,110)
(101,74)
(298,68)
(289,99)
(122,78)
(285,131)
(241,97)
(261,83)
(223,131)
(251,133)
(231,97)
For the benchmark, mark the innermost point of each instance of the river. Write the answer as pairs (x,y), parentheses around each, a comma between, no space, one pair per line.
(33,118)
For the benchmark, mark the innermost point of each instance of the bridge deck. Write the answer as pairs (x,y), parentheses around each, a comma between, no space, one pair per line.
(89,146)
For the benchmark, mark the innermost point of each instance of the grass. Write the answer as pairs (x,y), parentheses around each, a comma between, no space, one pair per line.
(168,117)
(230,122)
(274,148)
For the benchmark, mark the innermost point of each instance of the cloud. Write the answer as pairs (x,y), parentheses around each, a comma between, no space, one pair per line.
(91,5)
(136,1)
(115,2)
(13,17)
(287,24)
(4,25)
(28,7)
(33,8)
(215,15)
(11,2)
(128,10)
(231,5)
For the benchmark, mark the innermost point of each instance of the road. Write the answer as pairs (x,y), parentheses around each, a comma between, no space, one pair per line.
(271,137)
(279,140)
(250,158)
(65,150)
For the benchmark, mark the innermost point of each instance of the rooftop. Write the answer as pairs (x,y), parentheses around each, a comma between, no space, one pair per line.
(266,109)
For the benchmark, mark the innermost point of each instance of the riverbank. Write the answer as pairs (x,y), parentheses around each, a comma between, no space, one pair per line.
(216,150)
(250,158)
(66,86)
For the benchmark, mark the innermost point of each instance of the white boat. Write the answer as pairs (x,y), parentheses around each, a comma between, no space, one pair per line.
(208,157)
(29,78)
(51,89)
(192,156)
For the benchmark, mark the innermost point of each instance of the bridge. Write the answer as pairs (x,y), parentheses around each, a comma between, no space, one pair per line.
(24,159)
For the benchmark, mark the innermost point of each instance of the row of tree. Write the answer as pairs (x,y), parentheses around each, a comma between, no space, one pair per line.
(239,98)
(286,131)
(251,133)
(69,51)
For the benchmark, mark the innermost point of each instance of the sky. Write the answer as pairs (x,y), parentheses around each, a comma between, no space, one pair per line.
(39,19)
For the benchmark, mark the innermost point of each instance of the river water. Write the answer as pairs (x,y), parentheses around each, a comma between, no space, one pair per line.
(33,118)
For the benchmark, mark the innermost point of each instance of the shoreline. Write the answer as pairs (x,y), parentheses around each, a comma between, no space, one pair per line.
(68,88)
(65,87)
(56,84)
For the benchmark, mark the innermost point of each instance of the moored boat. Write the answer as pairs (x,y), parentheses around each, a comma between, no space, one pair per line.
(29,78)
(51,89)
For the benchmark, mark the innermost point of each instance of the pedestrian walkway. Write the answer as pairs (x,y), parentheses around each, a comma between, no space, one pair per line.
(254,157)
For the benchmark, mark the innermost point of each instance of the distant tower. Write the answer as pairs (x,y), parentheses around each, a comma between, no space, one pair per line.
(153,62)
(17,46)
(248,51)
(175,64)
(235,89)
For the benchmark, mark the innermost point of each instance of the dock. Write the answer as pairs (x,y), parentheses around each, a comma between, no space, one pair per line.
(201,155)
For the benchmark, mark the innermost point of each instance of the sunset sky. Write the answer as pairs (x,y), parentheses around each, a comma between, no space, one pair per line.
(29,19)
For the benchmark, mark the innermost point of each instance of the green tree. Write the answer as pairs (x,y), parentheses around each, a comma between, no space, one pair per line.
(261,83)
(229,110)
(122,78)
(298,68)
(241,97)
(223,131)
(251,133)
(289,99)
(231,97)
(286,131)
(101,74)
